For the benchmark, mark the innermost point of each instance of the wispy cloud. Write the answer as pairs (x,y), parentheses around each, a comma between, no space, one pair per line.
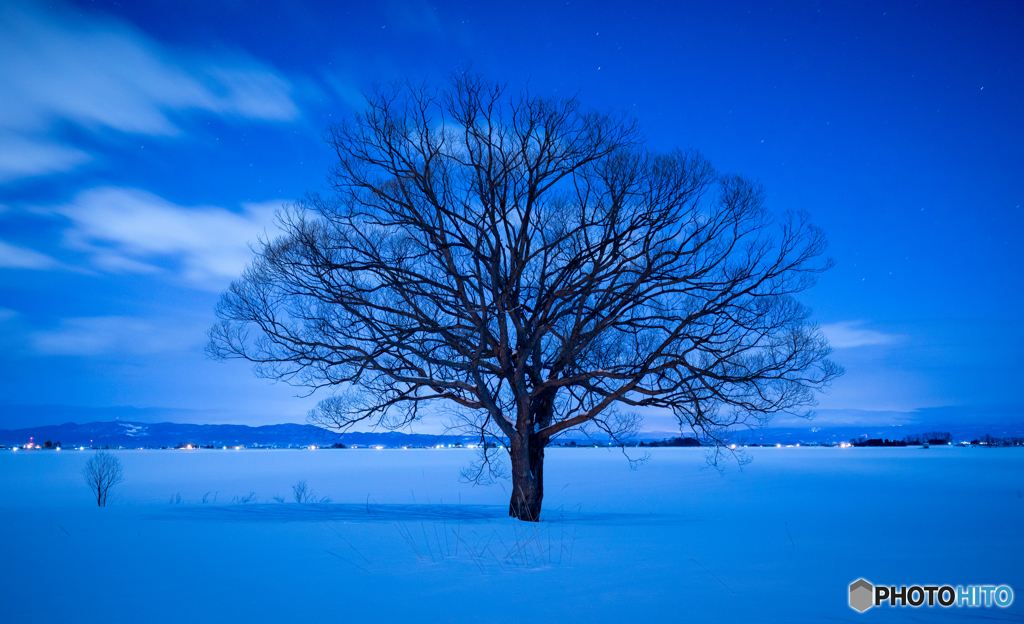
(100,74)
(13,257)
(130,230)
(22,157)
(115,334)
(849,334)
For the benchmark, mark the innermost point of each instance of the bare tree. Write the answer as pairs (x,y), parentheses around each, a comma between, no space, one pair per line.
(534,267)
(102,472)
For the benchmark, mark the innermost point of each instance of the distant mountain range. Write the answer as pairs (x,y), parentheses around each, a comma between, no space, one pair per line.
(168,427)
(166,434)
(135,435)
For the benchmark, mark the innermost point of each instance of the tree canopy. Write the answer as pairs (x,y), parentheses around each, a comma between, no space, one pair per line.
(533,266)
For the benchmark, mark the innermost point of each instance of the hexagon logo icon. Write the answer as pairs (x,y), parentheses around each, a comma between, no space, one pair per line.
(861,593)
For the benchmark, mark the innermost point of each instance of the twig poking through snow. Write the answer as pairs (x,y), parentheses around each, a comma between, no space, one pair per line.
(713,574)
(347,543)
(347,561)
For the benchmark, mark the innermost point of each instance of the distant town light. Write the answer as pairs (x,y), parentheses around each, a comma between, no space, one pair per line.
(778,446)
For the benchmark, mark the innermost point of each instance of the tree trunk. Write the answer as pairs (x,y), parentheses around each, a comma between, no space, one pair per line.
(527,479)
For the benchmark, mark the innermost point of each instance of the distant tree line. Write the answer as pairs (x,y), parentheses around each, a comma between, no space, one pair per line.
(993,441)
(929,437)
(674,442)
(938,438)
(880,442)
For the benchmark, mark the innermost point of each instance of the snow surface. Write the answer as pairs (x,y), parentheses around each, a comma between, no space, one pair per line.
(404,540)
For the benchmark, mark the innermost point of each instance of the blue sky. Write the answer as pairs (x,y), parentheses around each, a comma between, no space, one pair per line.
(144,145)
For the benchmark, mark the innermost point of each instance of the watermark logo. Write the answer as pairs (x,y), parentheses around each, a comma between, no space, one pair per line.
(864,595)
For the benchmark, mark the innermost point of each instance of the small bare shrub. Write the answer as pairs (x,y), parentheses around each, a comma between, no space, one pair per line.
(245,500)
(303,494)
(102,472)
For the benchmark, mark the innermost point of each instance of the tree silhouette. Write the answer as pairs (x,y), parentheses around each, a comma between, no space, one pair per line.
(102,472)
(533,266)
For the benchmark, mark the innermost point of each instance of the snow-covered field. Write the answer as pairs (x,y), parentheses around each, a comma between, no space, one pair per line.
(405,541)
